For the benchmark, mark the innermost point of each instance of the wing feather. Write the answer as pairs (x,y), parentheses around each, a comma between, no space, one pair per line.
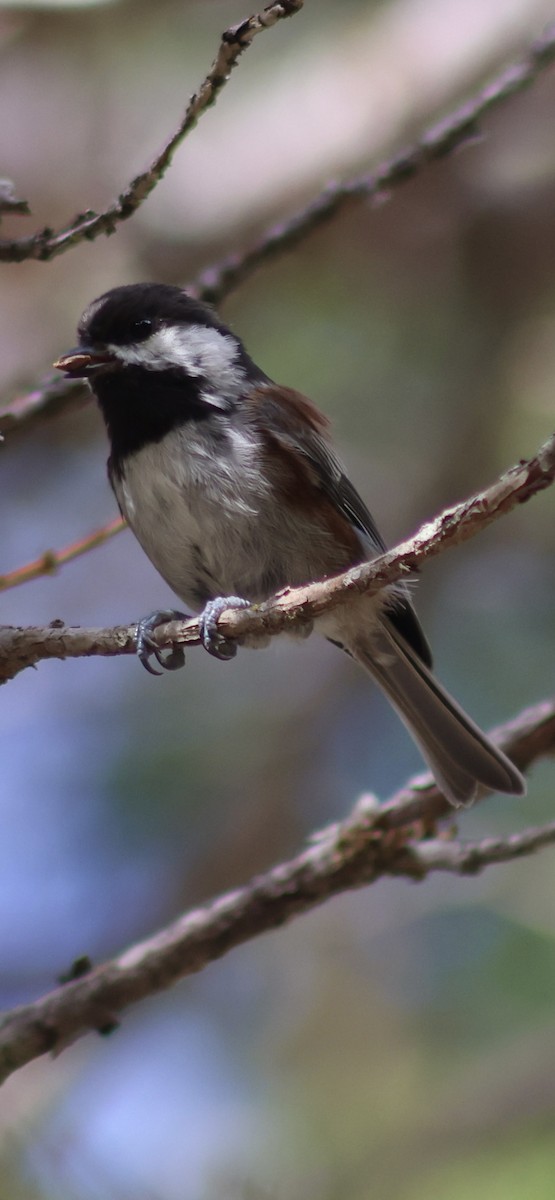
(300,428)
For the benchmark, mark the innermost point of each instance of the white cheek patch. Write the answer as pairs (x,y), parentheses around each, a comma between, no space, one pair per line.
(196,349)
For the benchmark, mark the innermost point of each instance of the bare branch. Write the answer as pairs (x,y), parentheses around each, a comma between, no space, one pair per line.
(25,647)
(372,842)
(295,607)
(46,244)
(468,858)
(217,281)
(51,561)
(53,394)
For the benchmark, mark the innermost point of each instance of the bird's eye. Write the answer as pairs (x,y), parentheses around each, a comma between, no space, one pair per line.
(142,329)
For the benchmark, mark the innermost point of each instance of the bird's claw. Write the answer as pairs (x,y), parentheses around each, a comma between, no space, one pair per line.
(147,648)
(214,641)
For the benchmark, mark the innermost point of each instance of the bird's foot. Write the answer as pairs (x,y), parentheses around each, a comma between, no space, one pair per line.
(212,640)
(170,660)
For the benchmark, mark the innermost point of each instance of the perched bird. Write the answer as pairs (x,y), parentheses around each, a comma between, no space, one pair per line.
(233,489)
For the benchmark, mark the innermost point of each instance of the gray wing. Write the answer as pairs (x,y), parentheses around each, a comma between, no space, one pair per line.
(307,437)
(339,488)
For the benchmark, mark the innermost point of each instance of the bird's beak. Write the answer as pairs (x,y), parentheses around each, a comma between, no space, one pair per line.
(83,362)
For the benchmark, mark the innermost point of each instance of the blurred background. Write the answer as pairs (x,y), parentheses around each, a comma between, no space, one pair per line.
(399,1042)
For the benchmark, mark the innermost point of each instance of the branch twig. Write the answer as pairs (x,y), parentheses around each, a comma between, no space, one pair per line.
(51,395)
(217,281)
(294,607)
(370,843)
(439,140)
(468,858)
(51,561)
(46,244)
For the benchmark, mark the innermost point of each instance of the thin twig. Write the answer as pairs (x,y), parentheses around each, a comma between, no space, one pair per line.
(439,140)
(370,843)
(52,394)
(217,281)
(294,607)
(47,243)
(468,858)
(51,560)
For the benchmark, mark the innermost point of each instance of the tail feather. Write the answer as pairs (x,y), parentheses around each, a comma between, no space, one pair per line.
(460,756)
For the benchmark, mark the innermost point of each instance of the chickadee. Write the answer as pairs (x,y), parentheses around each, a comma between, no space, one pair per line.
(231,486)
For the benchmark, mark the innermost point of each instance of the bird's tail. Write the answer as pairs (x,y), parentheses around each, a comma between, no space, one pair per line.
(460,756)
